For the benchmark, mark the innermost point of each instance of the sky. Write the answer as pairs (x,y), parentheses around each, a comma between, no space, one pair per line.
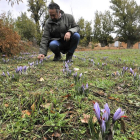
(78,8)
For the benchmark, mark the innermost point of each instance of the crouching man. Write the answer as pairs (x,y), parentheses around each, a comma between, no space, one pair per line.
(60,34)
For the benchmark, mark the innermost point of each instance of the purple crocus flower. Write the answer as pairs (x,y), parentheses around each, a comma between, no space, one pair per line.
(8,73)
(17,70)
(20,68)
(80,75)
(75,75)
(105,115)
(117,114)
(131,71)
(103,126)
(24,68)
(97,111)
(66,65)
(63,70)
(3,74)
(83,87)
(135,75)
(87,86)
(106,107)
(126,68)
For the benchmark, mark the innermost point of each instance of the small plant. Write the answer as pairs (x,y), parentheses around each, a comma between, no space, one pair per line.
(105,127)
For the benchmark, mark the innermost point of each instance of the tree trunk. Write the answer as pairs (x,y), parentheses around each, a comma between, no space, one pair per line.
(129,44)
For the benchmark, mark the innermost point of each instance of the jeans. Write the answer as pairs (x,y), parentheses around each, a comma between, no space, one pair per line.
(57,46)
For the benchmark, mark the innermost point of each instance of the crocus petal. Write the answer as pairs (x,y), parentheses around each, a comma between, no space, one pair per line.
(103,126)
(105,116)
(107,109)
(118,114)
(97,110)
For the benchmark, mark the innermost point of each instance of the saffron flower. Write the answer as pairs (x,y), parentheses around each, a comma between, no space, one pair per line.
(103,126)
(117,114)
(131,71)
(87,86)
(106,107)
(80,75)
(105,116)
(97,111)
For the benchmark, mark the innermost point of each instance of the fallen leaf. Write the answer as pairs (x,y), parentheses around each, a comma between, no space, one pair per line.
(56,134)
(41,79)
(52,112)
(25,112)
(85,118)
(76,69)
(101,93)
(33,107)
(67,96)
(47,105)
(72,85)
(94,119)
(132,132)
(6,105)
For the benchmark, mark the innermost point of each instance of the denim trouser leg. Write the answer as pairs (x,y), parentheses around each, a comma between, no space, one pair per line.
(65,46)
(74,42)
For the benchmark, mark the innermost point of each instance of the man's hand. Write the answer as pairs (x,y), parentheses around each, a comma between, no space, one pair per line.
(41,56)
(67,36)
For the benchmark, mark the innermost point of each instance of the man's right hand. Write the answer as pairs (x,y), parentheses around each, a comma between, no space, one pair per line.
(41,56)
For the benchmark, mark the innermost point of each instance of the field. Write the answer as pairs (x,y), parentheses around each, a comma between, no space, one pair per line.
(47,100)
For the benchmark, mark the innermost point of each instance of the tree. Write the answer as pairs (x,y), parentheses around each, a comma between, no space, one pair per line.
(127,21)
(37,8)
(85,31)
(25,27)
(14,1)
(103,27)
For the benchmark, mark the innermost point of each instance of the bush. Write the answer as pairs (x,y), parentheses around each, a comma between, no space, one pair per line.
(9,39)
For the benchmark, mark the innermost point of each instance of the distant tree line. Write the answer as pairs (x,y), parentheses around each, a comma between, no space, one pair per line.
(123,19)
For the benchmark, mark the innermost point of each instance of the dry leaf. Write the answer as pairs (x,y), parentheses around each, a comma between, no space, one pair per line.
(76,69)
(72,85)
(47,105)
(33,107)
(94,119)
(56,134)
(25,112)
(52,112)
(67,96)
(6,105)
(101,93)
(132,132)
(51,91)
(85,118)
(41,79)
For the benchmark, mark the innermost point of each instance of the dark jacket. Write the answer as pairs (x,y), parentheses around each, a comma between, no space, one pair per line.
(57,30)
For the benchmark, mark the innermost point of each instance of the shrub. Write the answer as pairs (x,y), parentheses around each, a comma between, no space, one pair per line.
(9,39)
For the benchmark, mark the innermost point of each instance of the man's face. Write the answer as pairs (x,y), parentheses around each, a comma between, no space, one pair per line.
(54,15)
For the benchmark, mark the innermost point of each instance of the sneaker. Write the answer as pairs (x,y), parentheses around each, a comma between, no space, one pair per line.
(57,57)
(69,57)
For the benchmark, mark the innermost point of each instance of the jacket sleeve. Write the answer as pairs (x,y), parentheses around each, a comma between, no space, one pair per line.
(73,28)
(45,40)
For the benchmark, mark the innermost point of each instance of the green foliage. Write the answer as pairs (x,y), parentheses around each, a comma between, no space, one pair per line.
(25,27)
(103,27)
(38,9)
(85,31)
(127,20)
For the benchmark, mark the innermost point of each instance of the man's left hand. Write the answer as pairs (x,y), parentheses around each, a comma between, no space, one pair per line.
(67,36)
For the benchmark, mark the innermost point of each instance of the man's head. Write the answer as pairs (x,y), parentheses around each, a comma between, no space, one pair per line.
(54,11)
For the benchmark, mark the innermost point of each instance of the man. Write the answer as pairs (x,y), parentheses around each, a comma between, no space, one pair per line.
(60,34)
